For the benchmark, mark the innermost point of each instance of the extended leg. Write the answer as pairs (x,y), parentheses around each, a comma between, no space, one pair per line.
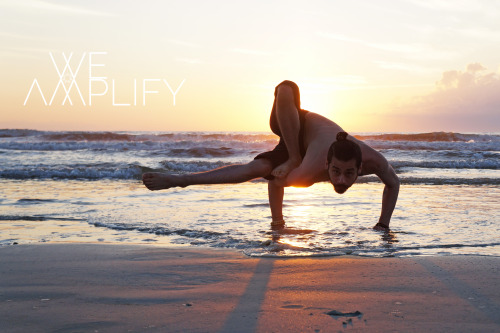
(238,173)
(289,124)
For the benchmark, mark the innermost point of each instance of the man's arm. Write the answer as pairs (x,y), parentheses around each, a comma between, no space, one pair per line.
(276,192)
(389,197)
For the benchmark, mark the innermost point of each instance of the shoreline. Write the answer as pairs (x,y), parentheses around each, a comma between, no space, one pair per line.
(237,216)
(89,287)
(265,255)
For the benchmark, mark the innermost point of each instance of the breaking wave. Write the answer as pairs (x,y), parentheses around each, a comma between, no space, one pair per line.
(33,154)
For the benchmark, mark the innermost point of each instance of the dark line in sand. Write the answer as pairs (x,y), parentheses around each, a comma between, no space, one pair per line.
(481,302)
(245,315)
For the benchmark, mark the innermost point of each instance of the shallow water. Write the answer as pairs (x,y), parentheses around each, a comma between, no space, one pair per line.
(84,186)
(428,220)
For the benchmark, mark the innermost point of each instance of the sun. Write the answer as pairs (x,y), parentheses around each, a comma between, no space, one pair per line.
(316,98)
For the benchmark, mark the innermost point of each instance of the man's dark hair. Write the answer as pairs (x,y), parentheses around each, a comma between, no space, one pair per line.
(344,150)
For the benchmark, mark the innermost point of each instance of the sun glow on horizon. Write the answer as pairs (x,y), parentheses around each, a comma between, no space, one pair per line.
(370,69)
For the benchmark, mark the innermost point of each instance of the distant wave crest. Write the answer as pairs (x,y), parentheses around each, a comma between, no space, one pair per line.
(431,137)
(33,154)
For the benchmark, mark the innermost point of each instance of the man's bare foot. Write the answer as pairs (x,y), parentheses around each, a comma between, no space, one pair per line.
(281,171)
(155,181)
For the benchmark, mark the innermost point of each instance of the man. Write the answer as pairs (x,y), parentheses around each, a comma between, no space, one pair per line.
(312,149)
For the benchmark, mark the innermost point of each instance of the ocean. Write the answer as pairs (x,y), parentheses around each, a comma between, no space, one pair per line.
(60,186)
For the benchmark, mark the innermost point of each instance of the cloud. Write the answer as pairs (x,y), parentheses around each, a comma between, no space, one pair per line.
(458,79)
(468,98)
(189,60)
(17,36)
(398,48)
(25,52)
(407,67)
(325,85)
(183,43)
(251,52)
(418,51)
(454,6)
(478,33)
(49,6)
(345,79)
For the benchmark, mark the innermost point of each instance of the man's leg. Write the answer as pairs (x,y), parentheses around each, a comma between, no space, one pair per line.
(289,125)
(231,174)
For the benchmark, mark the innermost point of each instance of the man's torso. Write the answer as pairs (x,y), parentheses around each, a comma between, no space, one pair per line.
(320,132)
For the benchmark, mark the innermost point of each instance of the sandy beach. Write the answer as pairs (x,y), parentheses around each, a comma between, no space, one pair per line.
(123,288)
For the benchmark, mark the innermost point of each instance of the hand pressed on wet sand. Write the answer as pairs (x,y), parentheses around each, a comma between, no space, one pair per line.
(281,171)
(155,181)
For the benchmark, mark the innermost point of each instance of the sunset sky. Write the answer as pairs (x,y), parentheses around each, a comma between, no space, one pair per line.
(371,66)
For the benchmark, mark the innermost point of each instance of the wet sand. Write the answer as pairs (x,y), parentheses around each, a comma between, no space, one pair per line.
(115,288)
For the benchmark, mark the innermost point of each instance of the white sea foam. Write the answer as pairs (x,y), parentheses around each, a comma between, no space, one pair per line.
(31,154)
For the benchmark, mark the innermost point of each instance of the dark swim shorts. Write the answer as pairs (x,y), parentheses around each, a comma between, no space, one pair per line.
(279,154)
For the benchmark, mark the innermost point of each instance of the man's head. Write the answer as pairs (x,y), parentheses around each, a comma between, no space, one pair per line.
(343,163)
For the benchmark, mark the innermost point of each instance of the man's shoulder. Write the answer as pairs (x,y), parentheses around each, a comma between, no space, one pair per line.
(373,161)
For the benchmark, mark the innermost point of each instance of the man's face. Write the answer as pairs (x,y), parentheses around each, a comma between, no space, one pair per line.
(342,174)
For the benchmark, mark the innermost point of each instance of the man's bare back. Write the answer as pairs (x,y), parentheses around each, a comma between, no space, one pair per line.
(320,132)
